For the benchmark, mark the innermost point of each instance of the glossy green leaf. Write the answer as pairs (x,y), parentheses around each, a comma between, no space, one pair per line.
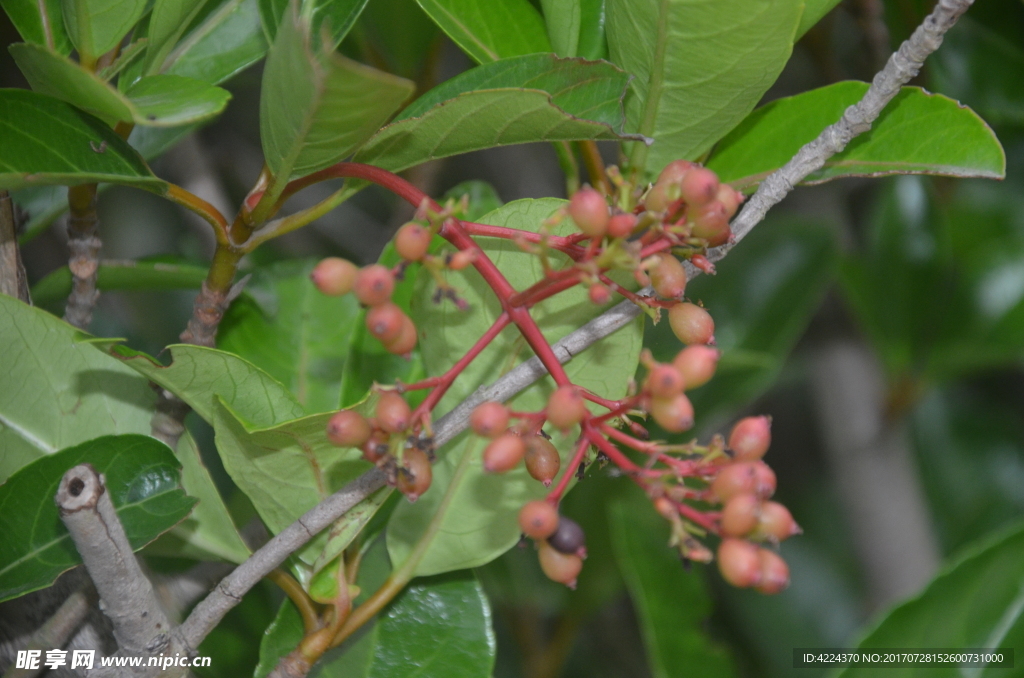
(293,332)
(401,36)
(126,58)
(123,275)
(762,299)
(488,30)
(32,26)
(199,375)
(481,522)
(226,42)
(168,21)
(142,479)
(814,10)
(436,628)
(700,66)
(316,107)
(286,470)
(576,27)
(158,100)
(671,603)
(333,16)
(208,533)
(530,98)
(975,602)
(917,133)
(97,26)
(61,392)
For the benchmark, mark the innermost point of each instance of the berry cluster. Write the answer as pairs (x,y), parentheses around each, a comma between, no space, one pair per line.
(645,230)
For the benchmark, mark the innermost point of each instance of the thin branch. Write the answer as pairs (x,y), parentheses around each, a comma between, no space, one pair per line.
(59,628)
(13,281)
(84,246)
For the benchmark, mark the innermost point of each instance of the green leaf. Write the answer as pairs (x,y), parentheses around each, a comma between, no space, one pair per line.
(531,98)
(224,43)
(436,628)
(41,205)
(97,26)
(316,107)
(576,27)
(168,21)
(700,66)
(814,10)
(142,478)
(976,601)
(481,522)
(61,392)
(488,30)
(336,17)
(123,275)
(671,603)
(762,299)
(158,100)
(198,375)
(287,469)
(293,332)
(400,35)
(32,25)
(124,59)
(917,133)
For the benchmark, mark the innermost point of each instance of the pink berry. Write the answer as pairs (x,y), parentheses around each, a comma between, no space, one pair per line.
(730,198)
(675,414)
(560,567)
(621,225)
(710,222)
(745,477)
(665,381)
(740,515)
(385,322)
(489,419)
(776,522)
(668,277)
(675,171)
(348,429)
(697,365)
(774,573)
(461,259)
(750,438)
(589,210)
(412,241)
(392,412)
(542,460)
(406,340)
(691,324)
(334,276)
(739,562)
(566,408)
(699,186)
(415,476)
(538,519)
(374,285)
(599,294)
(504,453)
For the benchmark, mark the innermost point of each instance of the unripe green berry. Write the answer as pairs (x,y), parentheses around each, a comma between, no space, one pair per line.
(489,419)
(697,365)
(542,460)
(334,276)
(740,515)
(699,186)
(691,324)
(589,210)
(675,414)
(348,428)
(538,519)
(385,322)
(774,573)
(374,285)
(566,408)
(750,438)
(560,567)
(664,381)
(504,453)
(415,475)
(392,412)
(412,241)
(668,277)
(739,562)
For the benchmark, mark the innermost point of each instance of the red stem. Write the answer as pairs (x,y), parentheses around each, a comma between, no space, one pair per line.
(560,243)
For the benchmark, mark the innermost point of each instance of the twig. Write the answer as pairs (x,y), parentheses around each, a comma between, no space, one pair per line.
(59,628)
(13,281)
(84,247)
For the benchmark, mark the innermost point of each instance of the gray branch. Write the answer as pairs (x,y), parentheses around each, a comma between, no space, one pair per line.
(13,281)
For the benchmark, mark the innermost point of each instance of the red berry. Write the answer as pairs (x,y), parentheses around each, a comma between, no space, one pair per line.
(675,171)
(699,186)
(415,475)
(566,408)
(406,340)
(691,324)
(750,438)
(739,562)
(569,538)
(412,241)
(668,277)
(334,276)
(504,453)
(774,573)
(392,412)
(348,429)
(385,322)
(675,414)
(538,519)
(776,522)
(665,381)
(589,210)
(745,477)
(599,294)
(542,460)
(376,447)
(740,515)
(374,285)
(710,222)
(489,419)
(621,225)
(697,365)
(560,567)
(730,198)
